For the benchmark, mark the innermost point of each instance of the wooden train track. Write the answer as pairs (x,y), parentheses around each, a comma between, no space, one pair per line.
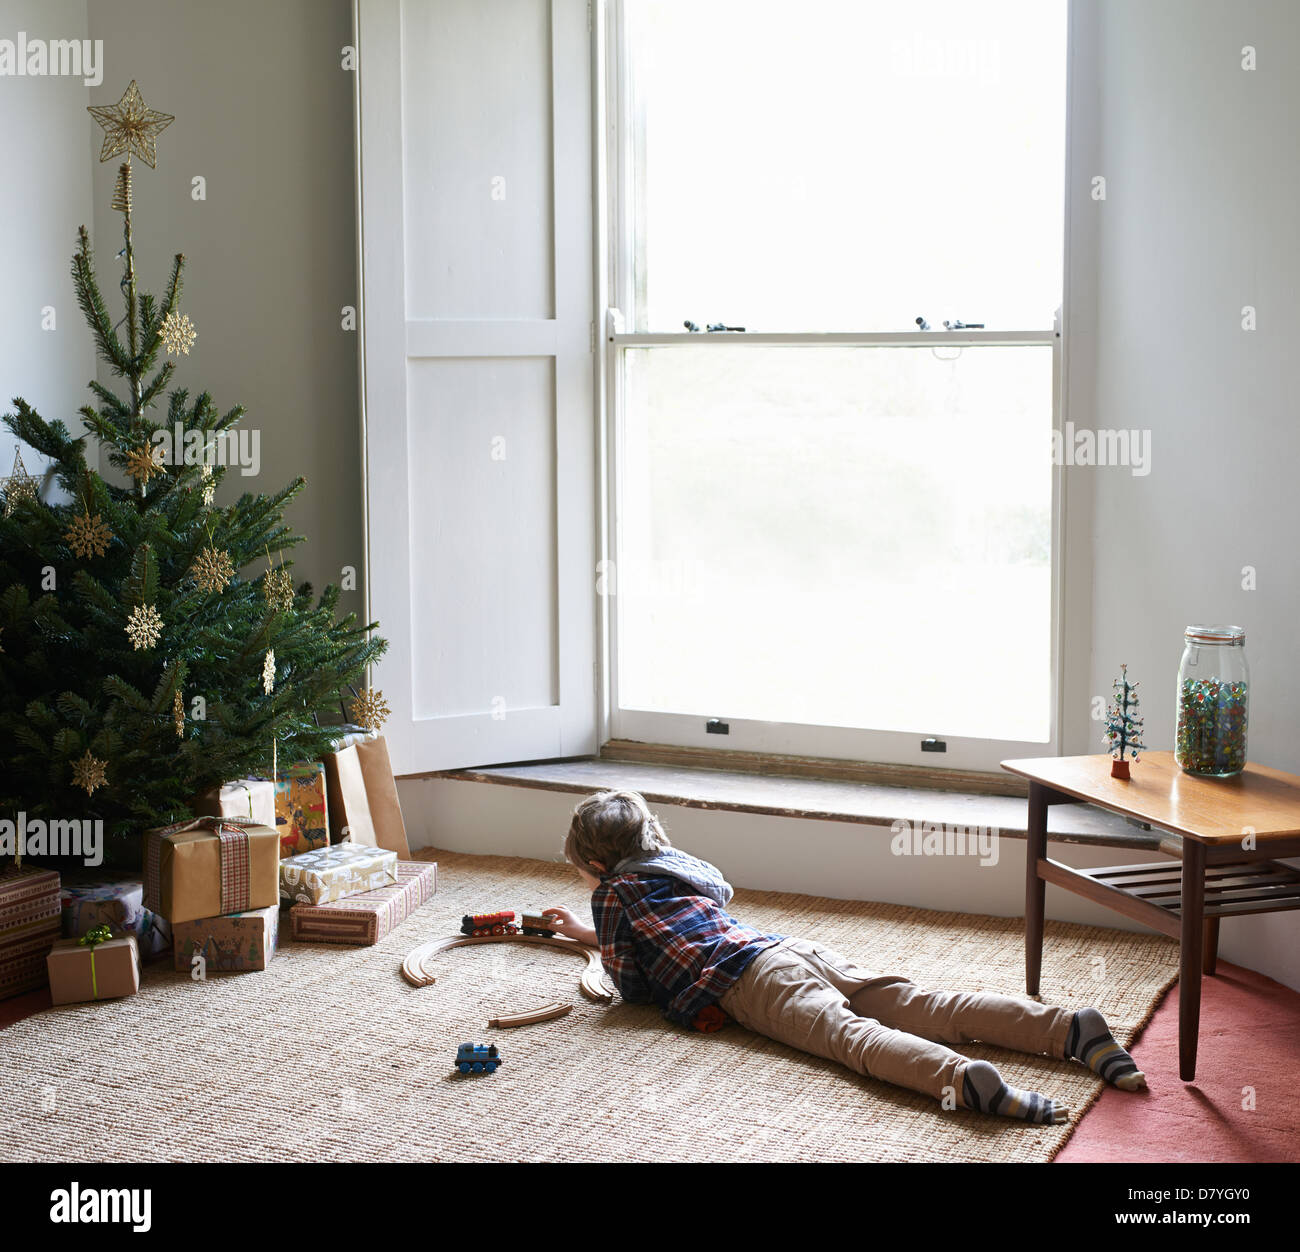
(416,969)
(544,1014)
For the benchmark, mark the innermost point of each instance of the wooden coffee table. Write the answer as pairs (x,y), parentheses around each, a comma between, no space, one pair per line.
(1225,832)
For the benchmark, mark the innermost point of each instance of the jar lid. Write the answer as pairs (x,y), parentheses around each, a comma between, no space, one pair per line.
(1217,634)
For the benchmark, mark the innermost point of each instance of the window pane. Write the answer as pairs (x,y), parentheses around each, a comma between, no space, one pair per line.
(848,164)
(838,537)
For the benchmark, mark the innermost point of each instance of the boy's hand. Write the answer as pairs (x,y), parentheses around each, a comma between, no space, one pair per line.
(566,923)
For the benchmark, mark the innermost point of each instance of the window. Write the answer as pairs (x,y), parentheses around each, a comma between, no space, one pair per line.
(835,530)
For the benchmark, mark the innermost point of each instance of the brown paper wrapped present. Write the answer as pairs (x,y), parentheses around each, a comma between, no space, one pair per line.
(249,799)
(29,925)
(86,969)
(210,866)
(239,941)
(368,917)
(363,796)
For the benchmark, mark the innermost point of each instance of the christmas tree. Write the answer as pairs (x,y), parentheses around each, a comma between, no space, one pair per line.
(1123,726)
(139,663)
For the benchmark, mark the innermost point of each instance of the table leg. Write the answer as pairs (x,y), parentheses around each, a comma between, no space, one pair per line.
(1211,960)
(1035,847)
(1190,950)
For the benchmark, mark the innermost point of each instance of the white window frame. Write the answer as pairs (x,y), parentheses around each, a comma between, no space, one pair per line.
(615,244)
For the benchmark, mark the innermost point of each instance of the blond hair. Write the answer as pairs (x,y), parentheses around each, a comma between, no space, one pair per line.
(609,827)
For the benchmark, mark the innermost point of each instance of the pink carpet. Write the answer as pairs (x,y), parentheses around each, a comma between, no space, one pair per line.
(1250,1038)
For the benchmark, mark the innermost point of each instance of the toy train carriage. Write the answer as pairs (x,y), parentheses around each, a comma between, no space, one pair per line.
(536,924)
(479,924)
(477,1058)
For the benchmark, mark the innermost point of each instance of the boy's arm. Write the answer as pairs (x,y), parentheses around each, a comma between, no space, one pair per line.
(616,953)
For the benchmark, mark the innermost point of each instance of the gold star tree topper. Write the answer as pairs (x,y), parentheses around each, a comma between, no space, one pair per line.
(130,126)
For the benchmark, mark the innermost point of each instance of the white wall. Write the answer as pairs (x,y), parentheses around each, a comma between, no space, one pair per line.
(264,113)
(48,195)
(1199,220)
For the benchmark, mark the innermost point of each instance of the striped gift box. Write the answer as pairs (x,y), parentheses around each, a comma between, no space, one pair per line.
(366,918)
(31,913)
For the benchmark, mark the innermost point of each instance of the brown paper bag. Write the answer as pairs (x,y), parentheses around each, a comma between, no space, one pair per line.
(381,793)
(346,801)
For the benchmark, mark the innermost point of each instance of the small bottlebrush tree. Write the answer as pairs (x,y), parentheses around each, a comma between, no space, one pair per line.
(139,662)
(1123,726)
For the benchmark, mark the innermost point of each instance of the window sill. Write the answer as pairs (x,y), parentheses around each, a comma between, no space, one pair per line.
(814,799)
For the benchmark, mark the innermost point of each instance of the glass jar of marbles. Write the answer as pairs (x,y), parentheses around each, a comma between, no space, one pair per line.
(1213,701)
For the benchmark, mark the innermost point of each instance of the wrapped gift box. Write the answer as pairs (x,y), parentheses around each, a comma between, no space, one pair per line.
(368,917)
(363,803)
(301,814)
(250,798)
(29,925)
(117,903)
(81,971)
(236,942)
(209,867)
(336,873)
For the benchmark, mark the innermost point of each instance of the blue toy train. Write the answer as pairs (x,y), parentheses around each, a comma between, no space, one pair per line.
(477,1058)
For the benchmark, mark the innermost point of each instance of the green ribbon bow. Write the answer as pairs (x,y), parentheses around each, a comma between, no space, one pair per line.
(96,935)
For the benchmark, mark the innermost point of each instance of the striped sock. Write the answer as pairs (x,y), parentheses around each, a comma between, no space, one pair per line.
(984,1091)
(1091,1042)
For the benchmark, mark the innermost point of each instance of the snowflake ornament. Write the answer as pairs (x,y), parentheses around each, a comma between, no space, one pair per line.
(370,709)
(88,536)
(212,570)
(144,462)
(144,626)
(277,587)
(268,671)
(178,334)
(89,772)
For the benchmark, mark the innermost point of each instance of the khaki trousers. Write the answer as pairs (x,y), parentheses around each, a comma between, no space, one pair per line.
(808,996)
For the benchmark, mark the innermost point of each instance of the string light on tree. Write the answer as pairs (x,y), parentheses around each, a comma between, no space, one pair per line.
(90,772)
(88,536)
(369,709)
(144,627)
(20,485)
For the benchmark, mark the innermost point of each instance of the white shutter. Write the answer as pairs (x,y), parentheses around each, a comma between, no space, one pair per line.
(475,142)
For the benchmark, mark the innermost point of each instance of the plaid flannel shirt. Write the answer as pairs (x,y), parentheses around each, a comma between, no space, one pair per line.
(662,943)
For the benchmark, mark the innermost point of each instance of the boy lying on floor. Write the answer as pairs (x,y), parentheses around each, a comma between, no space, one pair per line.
(664,938)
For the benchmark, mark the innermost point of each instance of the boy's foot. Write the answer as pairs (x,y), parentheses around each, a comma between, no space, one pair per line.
(1091,1042)
(984,1091)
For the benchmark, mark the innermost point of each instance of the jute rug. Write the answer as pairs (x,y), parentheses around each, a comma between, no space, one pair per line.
(329,1055)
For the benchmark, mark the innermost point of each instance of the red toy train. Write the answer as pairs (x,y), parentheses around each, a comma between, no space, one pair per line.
(477,925)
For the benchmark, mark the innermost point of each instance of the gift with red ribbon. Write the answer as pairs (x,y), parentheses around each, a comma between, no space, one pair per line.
(210,867)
